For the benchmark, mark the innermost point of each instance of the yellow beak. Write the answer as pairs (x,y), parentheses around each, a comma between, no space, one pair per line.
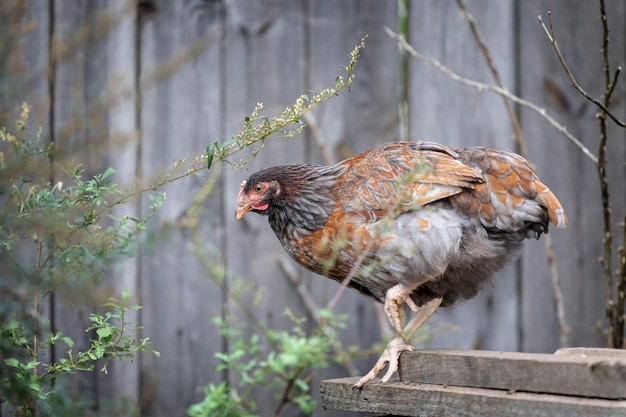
(241,210)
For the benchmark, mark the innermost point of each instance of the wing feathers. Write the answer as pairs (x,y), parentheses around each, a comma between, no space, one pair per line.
(498,186)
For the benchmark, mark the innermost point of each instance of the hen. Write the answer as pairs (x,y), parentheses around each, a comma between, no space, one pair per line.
(410,223)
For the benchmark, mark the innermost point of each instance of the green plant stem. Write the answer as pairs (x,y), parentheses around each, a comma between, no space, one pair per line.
(284,400)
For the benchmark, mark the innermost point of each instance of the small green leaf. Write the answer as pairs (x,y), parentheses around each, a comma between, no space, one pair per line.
(109,171)
(104,332)
(68,341)
(12,362)
(210,152)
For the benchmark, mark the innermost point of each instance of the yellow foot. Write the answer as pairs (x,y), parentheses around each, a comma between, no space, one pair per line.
(395,298)
(391,356)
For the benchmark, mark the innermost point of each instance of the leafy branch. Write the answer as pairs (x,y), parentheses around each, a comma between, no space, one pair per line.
(257,128)
(52,237)
(114,339)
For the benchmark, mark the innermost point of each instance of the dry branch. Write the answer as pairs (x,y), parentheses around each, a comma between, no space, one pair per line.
(614,310)
(610,83)
(517,131)
(494,89)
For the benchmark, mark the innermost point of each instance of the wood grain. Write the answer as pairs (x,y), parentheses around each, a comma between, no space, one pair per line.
(586,376)
(425,400)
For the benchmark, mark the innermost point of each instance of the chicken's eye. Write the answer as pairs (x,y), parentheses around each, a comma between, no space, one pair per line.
(258,188)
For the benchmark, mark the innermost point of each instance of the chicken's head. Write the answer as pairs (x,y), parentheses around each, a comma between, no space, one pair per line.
(255,196)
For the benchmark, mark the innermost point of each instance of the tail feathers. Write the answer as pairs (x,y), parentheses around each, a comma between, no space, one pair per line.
(555,211)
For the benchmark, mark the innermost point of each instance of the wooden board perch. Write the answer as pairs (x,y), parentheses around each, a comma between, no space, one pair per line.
(451,383)
(571,374)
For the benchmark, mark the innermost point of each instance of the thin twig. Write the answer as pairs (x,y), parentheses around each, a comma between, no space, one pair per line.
(284,400)
(494,89)
(621,287)
(322,144)
(603,106)
(523,149)
(517,131)
(556,288)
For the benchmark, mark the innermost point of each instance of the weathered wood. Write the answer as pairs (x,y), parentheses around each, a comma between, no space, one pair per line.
(79,129)
(585,352)
(577,249)
(586,376)
(358,119)
(425,400)
(443,110)
(122,380)
(181,112)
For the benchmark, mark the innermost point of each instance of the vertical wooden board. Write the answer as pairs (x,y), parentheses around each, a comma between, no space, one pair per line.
(180,114)
(24,52)
(445,111)
(80,134)
(122,381)
(359,119)
(569,174)
(264,62)
(366,115)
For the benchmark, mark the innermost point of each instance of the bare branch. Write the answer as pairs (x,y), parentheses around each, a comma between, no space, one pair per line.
(517,131)
(550,34)
(556,287)
(621,287)
(498,90)
(322,144)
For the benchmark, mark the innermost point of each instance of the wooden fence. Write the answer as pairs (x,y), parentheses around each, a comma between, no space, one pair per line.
(138,85)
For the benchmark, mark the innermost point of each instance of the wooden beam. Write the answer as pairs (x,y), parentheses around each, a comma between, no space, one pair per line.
(402,399)
(596,374)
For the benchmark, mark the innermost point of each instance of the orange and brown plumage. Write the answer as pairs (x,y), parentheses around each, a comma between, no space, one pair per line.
(422,224)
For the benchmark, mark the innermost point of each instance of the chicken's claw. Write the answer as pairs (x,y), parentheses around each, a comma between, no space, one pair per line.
(395,298)
(390,356)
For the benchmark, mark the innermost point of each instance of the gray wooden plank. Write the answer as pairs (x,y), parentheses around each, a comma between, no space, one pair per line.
(584,352)
(586,376)
(24,55)
(445,111)
(561,165)
(123,380)
(356,120)
(79,127)
(180,114)
(263,58)
(398,398)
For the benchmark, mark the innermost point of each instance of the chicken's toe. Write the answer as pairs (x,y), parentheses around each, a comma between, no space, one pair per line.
(391,357)
(395,298)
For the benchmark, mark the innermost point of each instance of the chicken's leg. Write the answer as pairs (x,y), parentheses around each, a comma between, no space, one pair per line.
(399,344)
(395,298)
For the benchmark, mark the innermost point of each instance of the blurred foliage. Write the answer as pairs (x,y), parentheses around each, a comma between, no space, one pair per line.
(282,367)
(52,237)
